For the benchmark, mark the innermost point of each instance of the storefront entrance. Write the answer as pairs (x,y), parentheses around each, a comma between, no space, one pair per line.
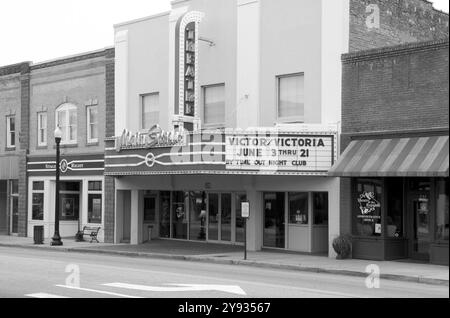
(419,215)
(196,215)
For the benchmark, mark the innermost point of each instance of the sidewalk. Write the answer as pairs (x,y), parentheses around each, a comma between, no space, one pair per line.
(228,254)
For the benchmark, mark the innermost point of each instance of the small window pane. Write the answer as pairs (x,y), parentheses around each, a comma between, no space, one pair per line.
(38,206)
(38,185)
(291,96)
(70,186)
(14,186)
(95,208)
(12,123)
(298,208)
(214,104)
(320,208)
(150,110)
(95,186)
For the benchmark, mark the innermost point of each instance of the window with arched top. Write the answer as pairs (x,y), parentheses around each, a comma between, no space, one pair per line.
(66,119)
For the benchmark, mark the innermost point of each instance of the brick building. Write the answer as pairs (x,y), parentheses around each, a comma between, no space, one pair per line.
(70,92)
(395,125)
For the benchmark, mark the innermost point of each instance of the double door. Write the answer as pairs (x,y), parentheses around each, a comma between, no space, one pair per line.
(219,217)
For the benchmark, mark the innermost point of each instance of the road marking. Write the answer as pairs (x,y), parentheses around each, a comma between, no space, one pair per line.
(98,291)
(182,288)
(45,295)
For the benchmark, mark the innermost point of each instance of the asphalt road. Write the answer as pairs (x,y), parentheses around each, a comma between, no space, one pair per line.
(39,273)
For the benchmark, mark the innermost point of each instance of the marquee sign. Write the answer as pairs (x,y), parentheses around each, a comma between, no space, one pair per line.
(280,153)
(228,153)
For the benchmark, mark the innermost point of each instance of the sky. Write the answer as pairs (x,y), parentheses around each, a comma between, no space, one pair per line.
(41,30)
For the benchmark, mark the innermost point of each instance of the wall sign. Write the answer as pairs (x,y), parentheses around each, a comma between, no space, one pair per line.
(148,138)
(68,166)
(245,209)
(280,153)
(186,74)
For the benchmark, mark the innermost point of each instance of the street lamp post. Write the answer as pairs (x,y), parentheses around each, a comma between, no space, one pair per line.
(56,239)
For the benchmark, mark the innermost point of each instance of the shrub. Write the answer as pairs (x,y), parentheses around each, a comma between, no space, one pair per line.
(342,245)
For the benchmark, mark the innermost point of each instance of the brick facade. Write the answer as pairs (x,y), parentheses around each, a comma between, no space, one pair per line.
(399,91)
(379,23)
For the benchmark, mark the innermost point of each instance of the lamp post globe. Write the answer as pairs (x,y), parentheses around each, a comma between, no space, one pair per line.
(56,239)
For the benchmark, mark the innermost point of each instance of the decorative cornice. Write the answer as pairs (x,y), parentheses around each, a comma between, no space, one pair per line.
(389,51)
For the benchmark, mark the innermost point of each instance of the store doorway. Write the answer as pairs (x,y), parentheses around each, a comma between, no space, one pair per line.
(220,217)
(14,207)
(274,220)
(419,215)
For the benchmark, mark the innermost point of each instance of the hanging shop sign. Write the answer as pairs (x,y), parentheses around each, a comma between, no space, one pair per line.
(280,153)
(68,166)
(148,138)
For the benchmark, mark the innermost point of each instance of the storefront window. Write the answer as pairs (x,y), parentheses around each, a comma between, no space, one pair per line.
(394,220)
(367,214)
(442,210)
(38,200)
(298,208)
(213,217)
(95,208)
(95,202)
(179,217)
(225,215)
(164,214)
(320,208)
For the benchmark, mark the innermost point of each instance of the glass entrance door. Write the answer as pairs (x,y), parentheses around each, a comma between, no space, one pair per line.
(419,213)
(274,220)
(220,217)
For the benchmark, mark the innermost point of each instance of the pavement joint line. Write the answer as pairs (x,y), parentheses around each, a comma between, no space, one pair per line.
(394,277)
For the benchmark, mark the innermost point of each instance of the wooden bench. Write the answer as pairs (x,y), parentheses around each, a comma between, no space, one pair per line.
(92,232)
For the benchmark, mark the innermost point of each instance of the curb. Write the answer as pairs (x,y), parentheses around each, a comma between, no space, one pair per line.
(193,258)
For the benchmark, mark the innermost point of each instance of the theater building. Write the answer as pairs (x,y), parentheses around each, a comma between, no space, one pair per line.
(395,165)
(247,98)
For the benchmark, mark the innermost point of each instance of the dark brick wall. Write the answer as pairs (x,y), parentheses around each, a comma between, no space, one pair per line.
(398,88)
(400,21)
(110,130)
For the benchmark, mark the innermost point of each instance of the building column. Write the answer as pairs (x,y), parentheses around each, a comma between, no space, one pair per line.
(137,217)
(334,214)
(255,222)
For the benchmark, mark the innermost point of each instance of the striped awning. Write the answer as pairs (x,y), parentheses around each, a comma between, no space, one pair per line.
(403,157)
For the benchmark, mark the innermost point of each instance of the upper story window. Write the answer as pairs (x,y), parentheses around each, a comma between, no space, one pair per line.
(150,110)
(214,106)
(10,131)
(291,98)
(42,129)
(92,123)
(66,119)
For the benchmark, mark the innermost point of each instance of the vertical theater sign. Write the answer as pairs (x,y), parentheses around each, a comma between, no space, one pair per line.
(186,77)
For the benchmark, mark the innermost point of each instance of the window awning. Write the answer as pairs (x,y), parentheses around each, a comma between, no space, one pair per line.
(402,157)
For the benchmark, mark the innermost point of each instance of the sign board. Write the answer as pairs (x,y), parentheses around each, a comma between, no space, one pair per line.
(245,209)
(296,153)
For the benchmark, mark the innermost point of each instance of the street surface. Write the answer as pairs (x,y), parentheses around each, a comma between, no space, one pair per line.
(46,274)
